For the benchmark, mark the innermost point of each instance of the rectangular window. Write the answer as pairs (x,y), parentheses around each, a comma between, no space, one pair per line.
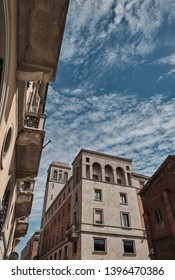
(100,244)
(61,233)
(66,252)
(125,221)
(74,249)
(60,254)
(76,197)
(98,216)
(128,246)
(123,198)
(158,215)
(98,194)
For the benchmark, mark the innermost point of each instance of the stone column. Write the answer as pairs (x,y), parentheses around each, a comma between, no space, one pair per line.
(103,174)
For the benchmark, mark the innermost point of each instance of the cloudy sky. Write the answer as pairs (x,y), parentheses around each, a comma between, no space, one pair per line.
(114,91)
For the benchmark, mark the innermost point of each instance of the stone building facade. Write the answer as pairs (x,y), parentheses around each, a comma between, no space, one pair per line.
(28,62)
(158,196)
(97,214)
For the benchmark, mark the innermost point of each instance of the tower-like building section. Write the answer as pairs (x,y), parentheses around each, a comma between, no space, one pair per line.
(58,175)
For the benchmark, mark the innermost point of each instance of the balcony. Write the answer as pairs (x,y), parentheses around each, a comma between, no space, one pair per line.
(29,145)
(34,121)
(72,232)
(21,227)
(24,198)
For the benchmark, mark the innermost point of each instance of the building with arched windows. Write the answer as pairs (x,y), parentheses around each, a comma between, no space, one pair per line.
(97,214)
(28,62)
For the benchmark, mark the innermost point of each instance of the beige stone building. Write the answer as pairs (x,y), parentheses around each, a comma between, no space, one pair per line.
(30,41)
(97,214)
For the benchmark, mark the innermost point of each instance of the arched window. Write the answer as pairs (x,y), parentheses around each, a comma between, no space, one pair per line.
(55,175)
(120,176)
(109,174)
(96,171)
(65,176)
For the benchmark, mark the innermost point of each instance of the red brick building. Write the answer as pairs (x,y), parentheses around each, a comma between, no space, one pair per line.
(158,197)
(31,249)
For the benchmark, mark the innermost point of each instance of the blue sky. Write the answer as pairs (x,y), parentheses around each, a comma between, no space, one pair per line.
(114,89)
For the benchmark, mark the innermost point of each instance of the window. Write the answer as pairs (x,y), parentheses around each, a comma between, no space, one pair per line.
(74,249)
(97,174)
(87,159)
(100,244)
(125,221)
(55,174)
(60,254)
(98,216)
(51,196)
(109,174)
(158,215)
(65,176)
(120,176)
(98,194)
(95,177)
(107,179)
(60,174)
(6,145)
(128,246)
(75,218)
(61,236)
(76,197)
(123,198)
(66,252)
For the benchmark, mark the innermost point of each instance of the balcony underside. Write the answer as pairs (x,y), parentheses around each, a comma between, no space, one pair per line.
(41,25)
(23,205)
(28,149)
(21,229)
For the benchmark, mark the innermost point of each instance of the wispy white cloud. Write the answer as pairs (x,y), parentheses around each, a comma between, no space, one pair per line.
(91,23)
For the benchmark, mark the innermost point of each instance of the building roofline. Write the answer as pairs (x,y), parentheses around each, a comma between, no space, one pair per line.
(100,154)
(140,175)
(153,178)
(59,164)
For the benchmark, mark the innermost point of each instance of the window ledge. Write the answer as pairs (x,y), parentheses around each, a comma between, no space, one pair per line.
(99,252)
(130,254)
(127,228)
(98,225)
